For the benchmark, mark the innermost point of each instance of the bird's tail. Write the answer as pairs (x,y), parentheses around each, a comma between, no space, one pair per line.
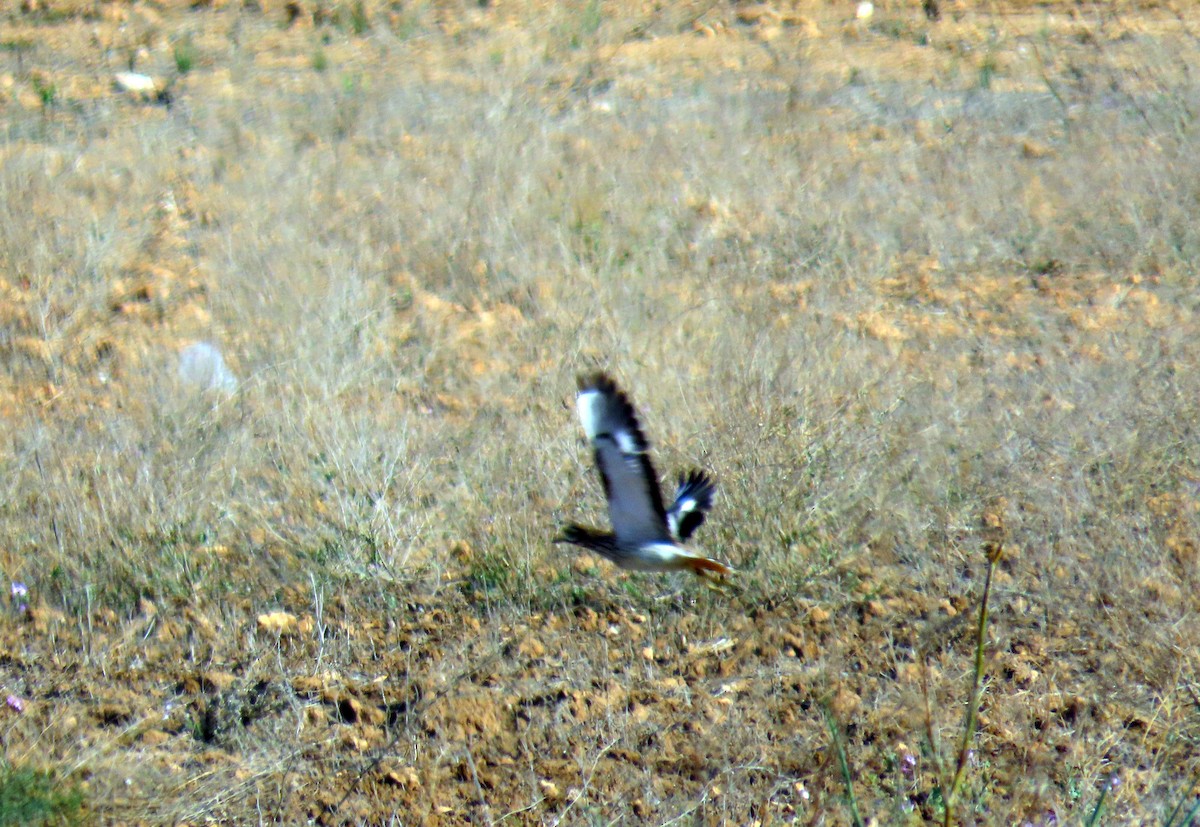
(700,566)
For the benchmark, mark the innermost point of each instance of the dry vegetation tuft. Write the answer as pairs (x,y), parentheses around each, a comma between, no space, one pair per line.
(917,291)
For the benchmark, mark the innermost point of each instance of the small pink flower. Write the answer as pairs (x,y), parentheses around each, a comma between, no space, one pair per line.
(15,703)
(19,592)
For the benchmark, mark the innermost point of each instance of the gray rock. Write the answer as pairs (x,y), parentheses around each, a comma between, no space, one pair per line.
(202,365)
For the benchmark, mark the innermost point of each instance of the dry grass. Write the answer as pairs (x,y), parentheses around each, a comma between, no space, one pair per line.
(889,280)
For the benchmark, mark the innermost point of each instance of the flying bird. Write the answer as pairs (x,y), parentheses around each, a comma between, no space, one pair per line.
(646,536)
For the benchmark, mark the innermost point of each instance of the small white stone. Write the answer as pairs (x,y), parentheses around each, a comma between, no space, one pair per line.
(135,83)
(202,365)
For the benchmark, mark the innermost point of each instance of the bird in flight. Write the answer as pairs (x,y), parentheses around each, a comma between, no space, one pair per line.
(646,536)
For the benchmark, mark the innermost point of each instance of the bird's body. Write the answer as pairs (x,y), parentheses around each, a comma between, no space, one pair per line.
(646,535)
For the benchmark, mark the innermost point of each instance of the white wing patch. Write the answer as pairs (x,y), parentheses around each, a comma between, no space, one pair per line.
(590,405)
(597,414)
(627,443)
(677,512)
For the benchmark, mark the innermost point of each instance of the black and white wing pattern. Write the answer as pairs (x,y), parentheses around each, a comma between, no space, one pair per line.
(645,536)
(693,499)
(635,503)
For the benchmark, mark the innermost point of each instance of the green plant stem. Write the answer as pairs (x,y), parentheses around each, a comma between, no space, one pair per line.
(1191,814)
(843,763)
(1094,818)
(972,714)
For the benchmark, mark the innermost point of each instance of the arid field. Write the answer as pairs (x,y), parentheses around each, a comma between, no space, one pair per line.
(919,286)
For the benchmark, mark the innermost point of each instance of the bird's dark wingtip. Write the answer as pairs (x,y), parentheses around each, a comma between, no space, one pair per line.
(696,481)
(597,381)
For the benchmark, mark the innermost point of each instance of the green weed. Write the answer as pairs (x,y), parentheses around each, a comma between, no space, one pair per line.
(185,54)
(35,796)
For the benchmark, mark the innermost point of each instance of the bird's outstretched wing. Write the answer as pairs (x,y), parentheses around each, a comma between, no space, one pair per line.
(693,499)
(635,503)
